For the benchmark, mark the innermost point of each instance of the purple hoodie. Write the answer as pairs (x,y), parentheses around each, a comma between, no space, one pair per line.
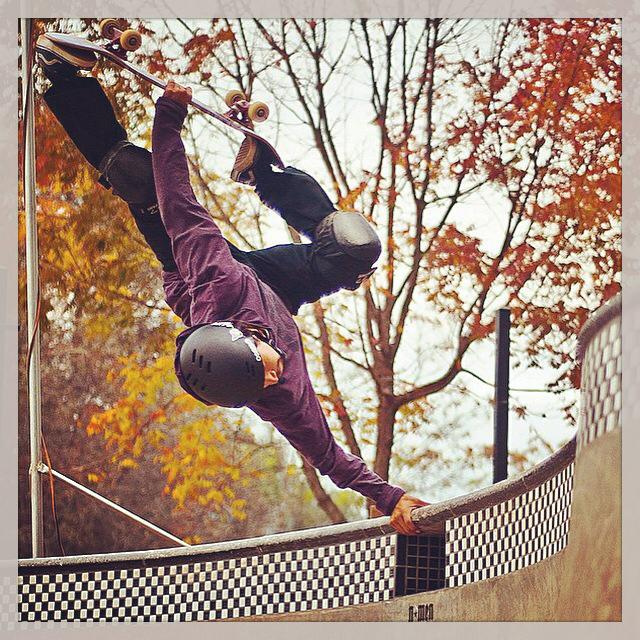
(210,285)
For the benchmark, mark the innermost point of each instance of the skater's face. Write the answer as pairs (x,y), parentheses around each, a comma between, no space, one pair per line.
(272,361)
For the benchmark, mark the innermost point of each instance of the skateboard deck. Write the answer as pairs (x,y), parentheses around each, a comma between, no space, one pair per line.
(116,54)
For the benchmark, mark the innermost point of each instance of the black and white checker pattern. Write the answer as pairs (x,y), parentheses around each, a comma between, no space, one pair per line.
(601,392)
(333,576)
(511,535)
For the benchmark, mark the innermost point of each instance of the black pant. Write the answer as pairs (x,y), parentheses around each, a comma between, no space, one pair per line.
(299,273)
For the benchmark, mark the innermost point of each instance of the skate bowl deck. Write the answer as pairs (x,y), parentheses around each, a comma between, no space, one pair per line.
(582,582)
(545,545)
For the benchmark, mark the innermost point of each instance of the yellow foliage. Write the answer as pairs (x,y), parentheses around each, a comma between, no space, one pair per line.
(237,510)
(214,495)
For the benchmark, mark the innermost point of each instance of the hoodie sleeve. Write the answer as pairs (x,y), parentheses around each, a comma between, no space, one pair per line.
(213,277)
(306,428)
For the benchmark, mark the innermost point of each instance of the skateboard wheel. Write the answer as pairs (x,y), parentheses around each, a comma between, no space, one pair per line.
(258,111)
(109,28)
(233,96)
(130,40)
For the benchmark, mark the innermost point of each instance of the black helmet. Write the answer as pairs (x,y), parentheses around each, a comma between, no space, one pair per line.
(221,365)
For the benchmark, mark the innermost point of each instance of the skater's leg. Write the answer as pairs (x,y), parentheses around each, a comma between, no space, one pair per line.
(84,111)
(302,273)
(150,225)
(345,249)
(86,114)
(129,170)
(295,195)
(344,245)
(286,269)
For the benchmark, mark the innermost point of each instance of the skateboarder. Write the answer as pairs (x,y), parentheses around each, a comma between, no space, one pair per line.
(241,346)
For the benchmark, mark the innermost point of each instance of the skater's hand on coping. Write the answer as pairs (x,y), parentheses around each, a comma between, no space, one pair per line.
(177,93)
(401,516)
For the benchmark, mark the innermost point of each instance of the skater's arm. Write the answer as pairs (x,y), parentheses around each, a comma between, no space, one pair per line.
(306,428)
(200,251)
(170,168)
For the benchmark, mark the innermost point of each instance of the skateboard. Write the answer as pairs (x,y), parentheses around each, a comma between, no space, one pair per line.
(241,114)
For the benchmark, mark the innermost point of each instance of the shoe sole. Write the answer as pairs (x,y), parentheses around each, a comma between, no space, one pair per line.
(242,168)
(79,59)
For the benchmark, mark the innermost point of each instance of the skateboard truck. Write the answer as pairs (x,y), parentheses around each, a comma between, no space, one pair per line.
(243,111)
(121,40)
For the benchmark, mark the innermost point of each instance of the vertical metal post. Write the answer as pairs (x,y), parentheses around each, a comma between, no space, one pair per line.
(35,484)
(501,409)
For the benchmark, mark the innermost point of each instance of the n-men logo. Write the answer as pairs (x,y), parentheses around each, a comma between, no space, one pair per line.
(421,613)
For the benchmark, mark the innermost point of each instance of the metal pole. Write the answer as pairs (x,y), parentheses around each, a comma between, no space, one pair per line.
(37,542)
(43,468)
(501,409)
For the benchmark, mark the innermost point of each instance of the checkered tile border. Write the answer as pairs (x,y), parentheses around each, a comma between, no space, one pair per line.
(601,393)
(511,535)
(334,576)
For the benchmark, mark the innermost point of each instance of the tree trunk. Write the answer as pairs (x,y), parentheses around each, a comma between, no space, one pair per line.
(386,419)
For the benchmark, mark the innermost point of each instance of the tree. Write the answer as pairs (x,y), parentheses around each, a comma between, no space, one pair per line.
(416,123)
(527,111)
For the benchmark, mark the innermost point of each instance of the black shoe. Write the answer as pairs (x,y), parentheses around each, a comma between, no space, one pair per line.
(59,63)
